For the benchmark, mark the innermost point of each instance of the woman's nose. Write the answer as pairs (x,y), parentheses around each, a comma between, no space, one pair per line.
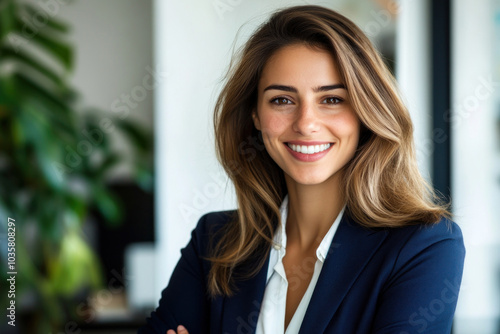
(306,121)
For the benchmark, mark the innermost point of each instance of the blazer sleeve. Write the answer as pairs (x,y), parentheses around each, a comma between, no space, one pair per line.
(184,301)
(422,291)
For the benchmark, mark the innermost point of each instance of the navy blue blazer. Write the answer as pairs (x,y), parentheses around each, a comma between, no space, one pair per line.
(401,280)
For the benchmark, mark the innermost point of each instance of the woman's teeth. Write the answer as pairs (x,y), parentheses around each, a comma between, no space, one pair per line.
(309,149)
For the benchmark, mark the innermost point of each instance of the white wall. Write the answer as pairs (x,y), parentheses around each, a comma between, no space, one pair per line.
(475,186)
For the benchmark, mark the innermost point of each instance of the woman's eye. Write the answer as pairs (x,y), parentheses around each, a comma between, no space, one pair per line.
(281,101)
(332,100)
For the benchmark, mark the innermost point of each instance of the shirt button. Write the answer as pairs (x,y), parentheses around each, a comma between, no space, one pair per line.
(277,247)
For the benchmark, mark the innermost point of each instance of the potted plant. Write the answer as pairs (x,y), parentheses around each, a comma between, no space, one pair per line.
(54,159)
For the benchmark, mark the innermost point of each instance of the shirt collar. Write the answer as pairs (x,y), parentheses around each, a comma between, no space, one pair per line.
(280,235)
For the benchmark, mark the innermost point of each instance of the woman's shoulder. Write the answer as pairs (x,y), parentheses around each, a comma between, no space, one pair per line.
(414,241)
(428,233)
(209,224)
(212,221)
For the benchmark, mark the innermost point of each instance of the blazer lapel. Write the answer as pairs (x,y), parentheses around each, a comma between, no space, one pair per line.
(241,312)
(351,249)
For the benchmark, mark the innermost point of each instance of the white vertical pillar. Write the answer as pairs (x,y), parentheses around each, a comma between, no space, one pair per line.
(413,74)
(475,185)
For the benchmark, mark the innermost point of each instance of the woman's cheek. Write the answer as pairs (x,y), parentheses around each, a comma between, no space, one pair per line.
(347,125)
(273,125)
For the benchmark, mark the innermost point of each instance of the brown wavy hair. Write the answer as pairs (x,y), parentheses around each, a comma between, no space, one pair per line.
(382,184)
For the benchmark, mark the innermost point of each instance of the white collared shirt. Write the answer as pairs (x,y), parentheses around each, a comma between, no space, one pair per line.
(272,312)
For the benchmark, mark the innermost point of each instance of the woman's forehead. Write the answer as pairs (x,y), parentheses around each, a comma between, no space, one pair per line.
(300,65)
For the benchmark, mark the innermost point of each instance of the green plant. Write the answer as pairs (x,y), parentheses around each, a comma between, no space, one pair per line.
(44,186)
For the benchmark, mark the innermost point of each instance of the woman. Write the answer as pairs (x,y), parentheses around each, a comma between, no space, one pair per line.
(336,231)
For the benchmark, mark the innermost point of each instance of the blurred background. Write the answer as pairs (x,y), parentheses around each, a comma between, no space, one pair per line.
(107,154)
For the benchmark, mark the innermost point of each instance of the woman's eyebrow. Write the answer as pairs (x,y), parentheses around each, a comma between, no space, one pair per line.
(294,90)
(330,87)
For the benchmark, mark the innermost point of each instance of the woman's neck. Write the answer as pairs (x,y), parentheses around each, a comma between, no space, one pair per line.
(311,211)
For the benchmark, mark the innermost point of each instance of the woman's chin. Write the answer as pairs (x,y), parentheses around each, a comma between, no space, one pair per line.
(309,179)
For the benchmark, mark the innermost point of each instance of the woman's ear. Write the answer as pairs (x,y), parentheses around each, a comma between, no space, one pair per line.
(256,120)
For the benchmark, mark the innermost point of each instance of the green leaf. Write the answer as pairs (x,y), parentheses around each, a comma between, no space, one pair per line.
(59,49)
(107,164)
(136,134)
(144,178)
(78,205)
(108,205)
(59,26)
(47,152)
(28,87)
(62,125)
(7,18)
(9,96)
(26,59)
(46,146)
(76,265)
(18,133)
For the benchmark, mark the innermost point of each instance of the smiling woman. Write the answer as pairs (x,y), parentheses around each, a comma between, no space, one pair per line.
(335,231)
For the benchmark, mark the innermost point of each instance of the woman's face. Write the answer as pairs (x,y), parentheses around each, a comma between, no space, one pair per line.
(307,123)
